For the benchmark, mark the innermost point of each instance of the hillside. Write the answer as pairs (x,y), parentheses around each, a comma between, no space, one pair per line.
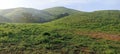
(30,15)
(95,32)
(98,20)
(3,19)
(101,24)
(26,15)
(56,11)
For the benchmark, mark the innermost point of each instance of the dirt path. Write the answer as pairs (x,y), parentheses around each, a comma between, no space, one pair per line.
(114,37)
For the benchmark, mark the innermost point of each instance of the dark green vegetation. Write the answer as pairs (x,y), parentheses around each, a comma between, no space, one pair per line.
(72,34)
(57,11)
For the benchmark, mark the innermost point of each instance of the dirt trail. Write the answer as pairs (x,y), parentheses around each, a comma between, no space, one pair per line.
(114,37)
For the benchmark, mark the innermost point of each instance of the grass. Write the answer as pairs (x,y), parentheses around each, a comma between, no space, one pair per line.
(38,38)
(81,33)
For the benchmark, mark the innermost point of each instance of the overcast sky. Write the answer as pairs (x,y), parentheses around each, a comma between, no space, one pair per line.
(82,5)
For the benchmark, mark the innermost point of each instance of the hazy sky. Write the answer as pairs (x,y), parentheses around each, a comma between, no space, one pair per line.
(83,5)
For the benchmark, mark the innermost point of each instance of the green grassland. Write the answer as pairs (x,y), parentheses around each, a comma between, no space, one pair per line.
(66,35)
(37,38)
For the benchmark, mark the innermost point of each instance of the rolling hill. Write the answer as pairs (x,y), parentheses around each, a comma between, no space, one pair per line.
(56,11)
(30,15)
(26,15)
(75,32)
(104,23)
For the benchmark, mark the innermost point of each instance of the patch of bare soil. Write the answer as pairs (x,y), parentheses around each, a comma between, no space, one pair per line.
(114,37)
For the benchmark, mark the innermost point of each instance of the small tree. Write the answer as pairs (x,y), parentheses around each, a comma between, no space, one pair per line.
(62,15)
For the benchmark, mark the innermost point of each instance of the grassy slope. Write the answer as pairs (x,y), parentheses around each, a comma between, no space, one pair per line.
(100,24)
(63,36)
(60,10)
(30,15)
(3,19)
(26,15)
(107,21)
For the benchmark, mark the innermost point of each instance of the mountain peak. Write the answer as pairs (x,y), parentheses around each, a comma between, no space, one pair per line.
(23,8)
(20,7)
(59,7)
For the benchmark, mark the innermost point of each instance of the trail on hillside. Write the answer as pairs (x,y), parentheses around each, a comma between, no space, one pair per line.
(114,37)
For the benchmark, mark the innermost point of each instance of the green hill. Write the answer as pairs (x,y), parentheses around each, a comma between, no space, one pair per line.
(56,11)
(108,20)
(3,19)
(25,15)
(78,32)
(30,15)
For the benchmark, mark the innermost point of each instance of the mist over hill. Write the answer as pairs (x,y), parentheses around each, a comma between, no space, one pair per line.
(30,15)
(4,19)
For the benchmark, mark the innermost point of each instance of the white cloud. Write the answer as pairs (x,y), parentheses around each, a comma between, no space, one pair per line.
(111,2)
(41,4)
(72,1)
(10,3)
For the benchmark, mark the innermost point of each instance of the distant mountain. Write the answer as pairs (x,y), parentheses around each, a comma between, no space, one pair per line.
(26,15)
(30,15)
